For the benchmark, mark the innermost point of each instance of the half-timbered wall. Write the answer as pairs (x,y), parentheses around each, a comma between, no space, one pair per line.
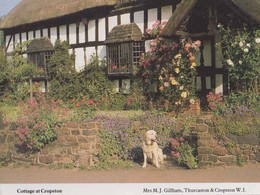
(86,37)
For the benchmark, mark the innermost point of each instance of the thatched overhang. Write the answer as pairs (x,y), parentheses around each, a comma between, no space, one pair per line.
(124,33)
(31,11)
(40,45)
(249,10)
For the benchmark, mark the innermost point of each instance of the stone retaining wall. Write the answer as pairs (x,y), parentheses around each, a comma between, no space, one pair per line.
(214,152)
(76,143)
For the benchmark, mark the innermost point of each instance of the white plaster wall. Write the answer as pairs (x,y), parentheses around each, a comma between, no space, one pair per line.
(79,61)
(166,12)
(17,38)
(116,86)
(208,82)
(125,18)
(53,36)
(10,48)
(219,83)
(63,33)
(45,32)
(91,30)
(30,35)
(73,33)
(37,34)
(207,53)
(82,33)
(126,85)
(102,29)
(101,52)
(112,22)
(198,83)
(89,52)
(139,19)
(152,17)
(24,37)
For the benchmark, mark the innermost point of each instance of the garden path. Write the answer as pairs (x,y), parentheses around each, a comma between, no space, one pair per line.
(248,173)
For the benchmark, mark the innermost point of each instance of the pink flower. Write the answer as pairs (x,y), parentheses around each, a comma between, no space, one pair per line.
(187,45)
(166,84)
(90,102)
(161,88)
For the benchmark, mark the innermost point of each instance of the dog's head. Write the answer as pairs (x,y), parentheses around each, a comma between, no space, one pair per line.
(150,137)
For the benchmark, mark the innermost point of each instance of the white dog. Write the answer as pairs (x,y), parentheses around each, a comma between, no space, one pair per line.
(151,149)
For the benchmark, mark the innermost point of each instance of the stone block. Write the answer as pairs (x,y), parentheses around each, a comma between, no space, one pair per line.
(205,164)
(247,152)
(85,146)
(227,159)
(257,156)
(248,139)
(88,125)
(251,157)
(89,132)
(213,143)
(202,143)
(244,158)
(73,125)
(203,157)
(64,131)
(204,136)
(220,151)
(49,159)
(213,158)
(205,150)
(75,132)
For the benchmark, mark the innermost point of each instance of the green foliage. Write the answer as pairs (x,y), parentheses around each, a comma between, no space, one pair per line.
(5,159)
(39,122)
(240,161)
(241,55)
(61,72)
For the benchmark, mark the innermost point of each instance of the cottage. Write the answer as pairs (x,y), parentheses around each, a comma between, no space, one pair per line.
(114,29)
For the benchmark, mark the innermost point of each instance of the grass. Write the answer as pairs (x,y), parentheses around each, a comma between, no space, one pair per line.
(10,112)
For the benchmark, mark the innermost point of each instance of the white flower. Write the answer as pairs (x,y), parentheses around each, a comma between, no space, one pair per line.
(192,101)
(257,40)
(230,63)
(181,87)
(241,44)
(184,94)
(248,45)
(178,103)
(240,62)
(246,50)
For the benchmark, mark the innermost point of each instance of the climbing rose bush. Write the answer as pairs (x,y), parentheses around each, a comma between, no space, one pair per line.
(241,56)
(168,70)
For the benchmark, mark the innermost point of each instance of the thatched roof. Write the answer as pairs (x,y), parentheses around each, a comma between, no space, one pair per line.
(248,8)
(39,45)
(125,33)
(30,11)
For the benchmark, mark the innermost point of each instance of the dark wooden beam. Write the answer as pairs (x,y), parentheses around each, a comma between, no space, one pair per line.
(178,16)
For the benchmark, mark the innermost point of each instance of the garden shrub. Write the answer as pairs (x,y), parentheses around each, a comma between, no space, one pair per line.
(168,70)
(241,56)
(61,72)
(39,122)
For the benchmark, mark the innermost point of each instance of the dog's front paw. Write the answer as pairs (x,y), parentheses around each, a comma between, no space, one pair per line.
(157,166)
(144,166)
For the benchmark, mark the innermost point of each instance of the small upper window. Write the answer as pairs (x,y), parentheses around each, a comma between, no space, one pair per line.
(124,47)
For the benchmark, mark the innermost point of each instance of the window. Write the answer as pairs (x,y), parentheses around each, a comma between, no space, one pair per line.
(40,59)
(122,57)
